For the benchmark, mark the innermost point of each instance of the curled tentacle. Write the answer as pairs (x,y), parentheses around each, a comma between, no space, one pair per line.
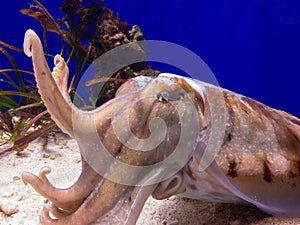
(96,201)
(171,186)
(45,218)
(57,212)
(97,205)
(70,198)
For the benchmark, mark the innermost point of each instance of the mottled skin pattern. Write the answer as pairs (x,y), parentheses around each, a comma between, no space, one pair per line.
(259,157)
(258,161)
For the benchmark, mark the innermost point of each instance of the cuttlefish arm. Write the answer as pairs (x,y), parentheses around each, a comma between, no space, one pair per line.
(69,198)
(96,198)
(52,94)
(53,90)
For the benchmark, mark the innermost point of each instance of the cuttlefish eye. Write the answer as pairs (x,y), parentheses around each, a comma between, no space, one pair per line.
(166,96)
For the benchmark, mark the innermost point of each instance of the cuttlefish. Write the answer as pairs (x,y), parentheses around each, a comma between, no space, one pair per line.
(165,136)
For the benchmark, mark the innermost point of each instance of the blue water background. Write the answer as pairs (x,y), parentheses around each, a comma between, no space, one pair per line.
(252,46)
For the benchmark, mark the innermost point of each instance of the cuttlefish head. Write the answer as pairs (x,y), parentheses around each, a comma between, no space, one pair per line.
(133,146)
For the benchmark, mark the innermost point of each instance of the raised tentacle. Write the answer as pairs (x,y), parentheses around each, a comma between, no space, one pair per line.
(58,106)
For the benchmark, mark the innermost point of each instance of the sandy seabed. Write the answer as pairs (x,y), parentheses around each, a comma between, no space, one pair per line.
(21,205)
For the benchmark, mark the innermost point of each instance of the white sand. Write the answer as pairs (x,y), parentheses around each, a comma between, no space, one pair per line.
(20,204)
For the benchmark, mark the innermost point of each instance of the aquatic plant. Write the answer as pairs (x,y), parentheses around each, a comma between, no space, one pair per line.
(87,30)
(21,106)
